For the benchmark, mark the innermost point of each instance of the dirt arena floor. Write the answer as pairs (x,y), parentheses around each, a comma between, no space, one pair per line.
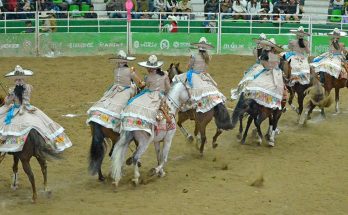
(305,173)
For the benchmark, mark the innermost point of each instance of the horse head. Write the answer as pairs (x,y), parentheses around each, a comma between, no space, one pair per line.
(174,70)
(178,95)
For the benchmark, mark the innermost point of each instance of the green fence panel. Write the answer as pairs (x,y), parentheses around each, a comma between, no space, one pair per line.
(18,45)
(81,44)
(167,43)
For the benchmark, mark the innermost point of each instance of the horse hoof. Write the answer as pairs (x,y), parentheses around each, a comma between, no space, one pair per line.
(271,144)
(161,174)
(48,193)
(33,199)
(139,164)
(135,182)
(239,136)
(242,142)
(101,178)
(14,187)
(215,145)
(152,172)
(129,161)
(190,139)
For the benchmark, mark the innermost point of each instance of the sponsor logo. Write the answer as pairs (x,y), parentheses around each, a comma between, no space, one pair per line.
(136,44)
(164,44)
(111,45)
(80,45)
(9,46)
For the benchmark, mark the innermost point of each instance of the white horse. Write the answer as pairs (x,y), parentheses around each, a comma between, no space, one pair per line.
(177,95)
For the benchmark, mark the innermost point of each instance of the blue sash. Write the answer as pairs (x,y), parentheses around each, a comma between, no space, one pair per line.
(287,55)
(189,76)
(10,114)
(138,95)
(258,74)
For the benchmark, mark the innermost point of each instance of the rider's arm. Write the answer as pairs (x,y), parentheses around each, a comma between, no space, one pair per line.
(136,79)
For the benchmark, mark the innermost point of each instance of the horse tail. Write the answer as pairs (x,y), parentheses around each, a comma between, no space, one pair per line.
(97,150)
(222,118)
(238,110)
(119,153)
(41,148)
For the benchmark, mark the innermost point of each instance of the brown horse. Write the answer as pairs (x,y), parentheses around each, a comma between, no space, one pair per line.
(34,146)
(257,113)
(297,88)
(99,146)
(330,83)
(219,112)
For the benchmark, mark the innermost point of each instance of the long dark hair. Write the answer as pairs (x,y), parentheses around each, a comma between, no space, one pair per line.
(264,55)
(159,71)
(259,51)
(301,43)
(336,45)
(18,91)
(205,56)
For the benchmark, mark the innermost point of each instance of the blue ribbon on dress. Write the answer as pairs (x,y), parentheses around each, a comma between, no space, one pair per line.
(10,114)
(258,74)
(138,95)
(189,76)
(287,55)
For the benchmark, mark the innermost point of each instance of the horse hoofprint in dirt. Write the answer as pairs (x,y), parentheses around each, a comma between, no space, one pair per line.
(177,95)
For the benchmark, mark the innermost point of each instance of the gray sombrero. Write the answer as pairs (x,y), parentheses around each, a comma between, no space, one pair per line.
(122,57)
(202,44)
(152,62)
(336,33)
(19,73)
(261,37)
(300,32)
(271,43)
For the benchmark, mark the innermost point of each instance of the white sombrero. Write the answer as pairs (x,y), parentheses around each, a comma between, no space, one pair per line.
(122,57)
(19,73)
(202,44)
(300,32)
(173,18)
(151,63)
(261,37)
(337,33)
(271,43)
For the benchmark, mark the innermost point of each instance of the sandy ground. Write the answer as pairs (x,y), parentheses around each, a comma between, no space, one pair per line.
(306,173)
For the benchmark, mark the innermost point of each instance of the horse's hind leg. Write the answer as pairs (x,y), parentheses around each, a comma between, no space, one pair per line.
(250,120)
(217,134)
(257,123)
(239,135)
(27,169)
(43,165)
(182,118)
(337,99)
(14,184)
(300,98)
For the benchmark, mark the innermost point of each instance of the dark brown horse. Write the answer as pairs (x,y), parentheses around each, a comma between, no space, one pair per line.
(297,88)
(219,112)
(34,146)
(257,113)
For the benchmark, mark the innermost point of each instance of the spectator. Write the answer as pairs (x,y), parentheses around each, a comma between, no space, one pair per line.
(338,5)
(266,8)
(1,10)
(211,6)
(172,6)
(26,6)
(226,7)
(145,15)
(210,24)
(116,5)
(280,7)
(185,6)
(293,11)
(173,26)
(144,5)
(253,8)
(239,7)
(29,27)
(91,14)
(160,5)
(12,5)
(49,22)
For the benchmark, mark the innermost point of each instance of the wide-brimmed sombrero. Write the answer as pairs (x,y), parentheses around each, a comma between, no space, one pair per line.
(173,18)
(261,37)
(152,62)
(19,73)
(337,33)
(271,43)
(300,32)
(122,57)
(202,44)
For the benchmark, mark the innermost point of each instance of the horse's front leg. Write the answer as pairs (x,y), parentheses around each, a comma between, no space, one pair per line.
(166,148)
(239,135)
(14,184)
(217,134)
(250,120)
(144,141)
(261,117)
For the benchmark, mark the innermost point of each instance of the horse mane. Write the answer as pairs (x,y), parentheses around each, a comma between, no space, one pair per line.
(2,101)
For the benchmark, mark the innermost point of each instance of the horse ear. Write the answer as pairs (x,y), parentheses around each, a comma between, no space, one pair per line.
(171,65)
(178,64)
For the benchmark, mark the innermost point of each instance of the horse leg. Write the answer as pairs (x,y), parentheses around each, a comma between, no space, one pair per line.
(144,141)
(217,134)
(275,119)
(182,118)
(291,97)
(197,134)
(270,128)
(164,155)
(239,135)
(300,98)
(257,123)
(250,119)
(337,99)
(14,184)
(27,169)
(203,138)
(43,165)
(154,171)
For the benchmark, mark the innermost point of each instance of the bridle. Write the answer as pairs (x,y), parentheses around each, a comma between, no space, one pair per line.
(173,101)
